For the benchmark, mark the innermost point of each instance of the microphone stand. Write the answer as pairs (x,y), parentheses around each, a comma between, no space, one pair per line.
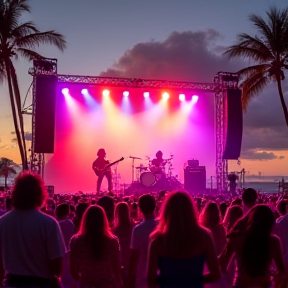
(133,165)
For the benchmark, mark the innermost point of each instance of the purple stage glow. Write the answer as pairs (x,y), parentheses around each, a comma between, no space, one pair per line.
(126,126)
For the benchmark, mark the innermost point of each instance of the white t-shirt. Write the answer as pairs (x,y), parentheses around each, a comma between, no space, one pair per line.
(140,241)
(28,240)
(68,230)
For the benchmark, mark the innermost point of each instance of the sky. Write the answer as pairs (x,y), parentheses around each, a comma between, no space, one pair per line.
(159,39)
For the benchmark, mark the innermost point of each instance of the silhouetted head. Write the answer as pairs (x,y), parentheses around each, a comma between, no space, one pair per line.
(101,153)
(28,192)
(249,197)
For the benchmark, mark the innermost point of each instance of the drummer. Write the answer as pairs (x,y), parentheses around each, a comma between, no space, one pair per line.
(158,164)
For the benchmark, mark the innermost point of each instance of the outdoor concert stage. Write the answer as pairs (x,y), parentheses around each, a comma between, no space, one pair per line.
(127,125)
(74,116)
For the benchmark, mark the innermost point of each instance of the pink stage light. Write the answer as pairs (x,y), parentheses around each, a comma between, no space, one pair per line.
(146,94)
(195,99)
(106,92)
(126,93)
(165,96)
(84,91)
(65,91)
(182,97)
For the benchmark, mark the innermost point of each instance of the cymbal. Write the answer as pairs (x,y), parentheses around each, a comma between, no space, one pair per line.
(141,167)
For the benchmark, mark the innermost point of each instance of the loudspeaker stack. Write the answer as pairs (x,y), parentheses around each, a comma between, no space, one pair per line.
(194,177)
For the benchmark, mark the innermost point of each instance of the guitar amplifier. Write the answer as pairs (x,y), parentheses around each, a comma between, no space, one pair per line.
(193,163)
(195,179)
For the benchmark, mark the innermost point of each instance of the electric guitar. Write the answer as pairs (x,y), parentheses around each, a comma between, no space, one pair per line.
(98,171)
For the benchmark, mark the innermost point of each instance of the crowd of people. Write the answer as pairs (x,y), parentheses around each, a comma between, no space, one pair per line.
(169,240)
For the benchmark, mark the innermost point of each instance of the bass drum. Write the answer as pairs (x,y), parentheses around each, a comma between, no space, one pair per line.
(147,179)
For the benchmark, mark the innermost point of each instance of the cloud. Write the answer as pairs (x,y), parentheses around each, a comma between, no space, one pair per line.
(259,155)
(14,140)
(13,132)
(197,57)
(186,56)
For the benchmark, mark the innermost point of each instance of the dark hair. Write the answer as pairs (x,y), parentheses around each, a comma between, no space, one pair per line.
(107,203)
(178,224)
(95,230)
(79,211)
(101,152)
(62,211)
(223,208)
(234,213)
(282,207)
(256,228)
(122,215)
(28,191)
(236,201)
(8,204)
(249,197)
(147,204)
(210,216)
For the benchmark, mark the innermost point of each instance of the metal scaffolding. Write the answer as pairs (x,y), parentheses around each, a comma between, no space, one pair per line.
(222,82)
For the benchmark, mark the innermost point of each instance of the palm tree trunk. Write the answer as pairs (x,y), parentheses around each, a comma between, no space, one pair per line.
(284,107)
(19,110)
(15,119)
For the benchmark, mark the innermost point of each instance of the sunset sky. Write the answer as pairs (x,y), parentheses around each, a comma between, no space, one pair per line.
(158,39)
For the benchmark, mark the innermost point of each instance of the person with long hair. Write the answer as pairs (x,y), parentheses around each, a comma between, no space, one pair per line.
(233,214)
(255,248)
(210,217)
(94,252)
(31,243)
(180,246)
(123,230)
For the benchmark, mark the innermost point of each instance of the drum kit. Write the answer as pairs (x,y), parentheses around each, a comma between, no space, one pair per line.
(151,177)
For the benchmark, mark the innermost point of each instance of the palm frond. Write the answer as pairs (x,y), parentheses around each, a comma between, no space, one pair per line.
(250,47)
(24,29)
(13,13)
(251,70)
(252,86)
(48,37)
(262,27)
(29,54)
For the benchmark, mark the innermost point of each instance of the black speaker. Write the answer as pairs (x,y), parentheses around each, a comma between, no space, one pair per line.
(46,89)
(233,117)
(195,179)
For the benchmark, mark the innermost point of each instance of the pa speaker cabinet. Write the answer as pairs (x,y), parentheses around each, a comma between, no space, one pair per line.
(233,116)
(45,113)
(195,180)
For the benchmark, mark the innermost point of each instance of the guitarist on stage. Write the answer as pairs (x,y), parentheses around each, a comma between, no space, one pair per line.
(99,168)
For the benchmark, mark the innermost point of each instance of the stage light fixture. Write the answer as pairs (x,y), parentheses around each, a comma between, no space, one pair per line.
(106,92)
(165,96)
(146,94)
(182,97)
(195,99)
(126,93)
(84,91)
(65,91)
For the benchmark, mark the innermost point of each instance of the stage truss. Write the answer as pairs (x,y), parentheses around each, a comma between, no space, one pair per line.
(222,82)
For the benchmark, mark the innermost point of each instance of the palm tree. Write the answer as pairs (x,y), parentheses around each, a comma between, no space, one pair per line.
(268,51)
(6,169)
(19,39)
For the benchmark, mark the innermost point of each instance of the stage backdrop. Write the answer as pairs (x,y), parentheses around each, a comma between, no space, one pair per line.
(127,126)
